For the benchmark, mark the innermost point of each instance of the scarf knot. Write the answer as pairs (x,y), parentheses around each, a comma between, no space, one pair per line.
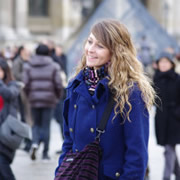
(93,76)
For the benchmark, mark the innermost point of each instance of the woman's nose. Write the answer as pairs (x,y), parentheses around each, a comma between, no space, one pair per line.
(91,48)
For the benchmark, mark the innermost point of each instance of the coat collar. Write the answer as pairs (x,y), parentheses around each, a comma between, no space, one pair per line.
(171,74)
(78,85)
(76,80)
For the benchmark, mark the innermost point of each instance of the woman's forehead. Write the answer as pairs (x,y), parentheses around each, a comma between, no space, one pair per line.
(91,35)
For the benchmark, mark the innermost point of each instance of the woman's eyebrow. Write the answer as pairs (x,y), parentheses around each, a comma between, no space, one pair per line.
(96,41)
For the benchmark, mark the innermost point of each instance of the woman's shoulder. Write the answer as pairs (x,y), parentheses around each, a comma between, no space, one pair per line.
(74,81)
(135,88)
(135,92)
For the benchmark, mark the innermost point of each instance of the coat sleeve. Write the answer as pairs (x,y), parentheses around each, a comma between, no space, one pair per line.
(68,142)
(10,91)
(136,134)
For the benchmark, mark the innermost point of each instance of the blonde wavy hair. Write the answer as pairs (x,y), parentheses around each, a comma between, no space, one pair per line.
(124,68)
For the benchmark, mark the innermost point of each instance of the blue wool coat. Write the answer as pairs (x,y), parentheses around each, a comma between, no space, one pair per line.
(124,145)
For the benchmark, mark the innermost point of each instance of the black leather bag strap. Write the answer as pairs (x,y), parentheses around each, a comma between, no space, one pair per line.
(101,128)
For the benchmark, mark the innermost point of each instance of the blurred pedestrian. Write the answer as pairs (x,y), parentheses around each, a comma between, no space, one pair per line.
(109,65)
(43,87)
(56,53)
(1,54)
(60,58)
(144,53)
(22,57)
(17,70)
(9,91)
(8,53)
(178,63)
(167,118)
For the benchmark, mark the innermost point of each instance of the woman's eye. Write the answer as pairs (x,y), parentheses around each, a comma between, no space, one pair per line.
(89,41)
(100,46)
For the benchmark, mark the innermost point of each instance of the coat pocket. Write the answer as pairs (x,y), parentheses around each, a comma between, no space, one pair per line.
(111,172)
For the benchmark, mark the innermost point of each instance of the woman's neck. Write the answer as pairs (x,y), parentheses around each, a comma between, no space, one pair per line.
(93,75)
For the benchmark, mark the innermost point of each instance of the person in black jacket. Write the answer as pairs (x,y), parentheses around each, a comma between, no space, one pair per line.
(167,118)
(9,91)
(60,58)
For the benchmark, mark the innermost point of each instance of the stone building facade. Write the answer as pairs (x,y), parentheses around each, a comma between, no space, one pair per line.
(167,13)
(22,19)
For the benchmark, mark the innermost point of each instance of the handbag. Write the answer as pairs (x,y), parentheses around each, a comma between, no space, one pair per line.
(13,131)
(84,165)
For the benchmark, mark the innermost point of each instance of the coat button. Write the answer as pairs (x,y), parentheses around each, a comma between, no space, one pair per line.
(75,106)
(92,130)
(71,129)
(93,106)
(117,174)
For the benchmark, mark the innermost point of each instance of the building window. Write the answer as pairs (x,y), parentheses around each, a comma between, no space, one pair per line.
(38,7)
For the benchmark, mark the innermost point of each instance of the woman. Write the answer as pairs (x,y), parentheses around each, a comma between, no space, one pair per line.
(109,64)
(9,91)
(167,119)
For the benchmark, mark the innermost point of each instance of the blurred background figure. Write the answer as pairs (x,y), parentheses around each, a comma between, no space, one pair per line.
(1,54)
(17,70)
(21,58)
(43,87)
(51,46)
(7,53)
(144,53)
(178,62)
(167,118)
(60,58)
(9,91)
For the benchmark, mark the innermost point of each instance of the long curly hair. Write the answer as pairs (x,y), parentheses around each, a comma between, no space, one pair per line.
(124,68)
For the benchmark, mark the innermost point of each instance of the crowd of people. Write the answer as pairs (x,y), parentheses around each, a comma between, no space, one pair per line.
(37,86)
(34,83)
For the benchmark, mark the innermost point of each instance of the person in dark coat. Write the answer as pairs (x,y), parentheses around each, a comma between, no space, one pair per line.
(24,107)
(43,87)
(109,65)
(167,118)
(60,58)
(9,92)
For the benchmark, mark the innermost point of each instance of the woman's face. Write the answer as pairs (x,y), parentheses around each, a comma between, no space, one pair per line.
(1,73)
(164,65)
(96,53)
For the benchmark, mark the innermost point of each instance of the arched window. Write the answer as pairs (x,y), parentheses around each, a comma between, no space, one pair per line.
(38,7)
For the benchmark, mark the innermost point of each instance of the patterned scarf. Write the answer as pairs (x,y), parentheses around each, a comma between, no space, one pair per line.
(92,77)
